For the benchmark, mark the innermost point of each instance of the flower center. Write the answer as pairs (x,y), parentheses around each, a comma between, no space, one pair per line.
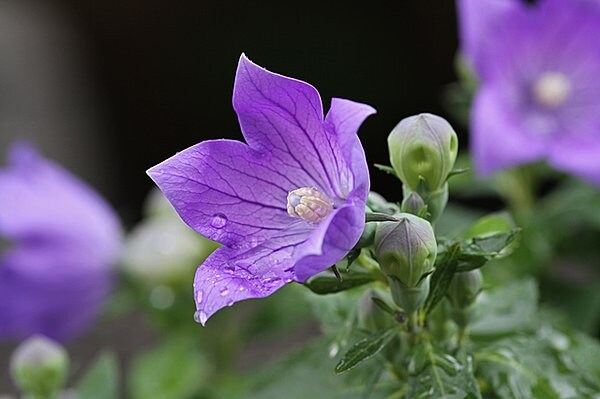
(308,204)
(552,89)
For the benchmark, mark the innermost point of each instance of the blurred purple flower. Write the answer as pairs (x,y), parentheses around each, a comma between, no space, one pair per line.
(540,95)
(287,205)
(60,239)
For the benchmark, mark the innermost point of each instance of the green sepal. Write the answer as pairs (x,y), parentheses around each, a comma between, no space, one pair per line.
(323,285)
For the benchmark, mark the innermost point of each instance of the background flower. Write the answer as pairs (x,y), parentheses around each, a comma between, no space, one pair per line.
(61,239)
(240,195)
(539,96)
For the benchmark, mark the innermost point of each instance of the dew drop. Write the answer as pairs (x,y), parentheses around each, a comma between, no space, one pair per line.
(224,291)
(230,302)
(199,297)
(200,317)
(218,221)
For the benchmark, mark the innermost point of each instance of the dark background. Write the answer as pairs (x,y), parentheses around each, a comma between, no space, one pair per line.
(162,71)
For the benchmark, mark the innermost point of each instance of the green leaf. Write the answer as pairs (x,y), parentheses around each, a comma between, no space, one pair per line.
(101,381)
(306,373)
(173,370)
(477,251)
(539,365)
(489,225)
(380,217)
(506,309)
(435,374)
(456,172)
(324,285)
(445,267)
(385,168)
(364,350)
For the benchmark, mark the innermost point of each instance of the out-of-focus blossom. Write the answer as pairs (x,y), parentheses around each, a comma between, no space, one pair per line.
(538,66)
(287,205)
(162,249)
(62,239)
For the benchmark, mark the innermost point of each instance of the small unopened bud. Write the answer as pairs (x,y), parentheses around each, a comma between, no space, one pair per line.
(464,288)
(39,367)
(423,148)
(413,204)
(406,249)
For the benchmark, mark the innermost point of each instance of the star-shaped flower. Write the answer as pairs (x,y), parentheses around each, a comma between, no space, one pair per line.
(287,204)
(539,96)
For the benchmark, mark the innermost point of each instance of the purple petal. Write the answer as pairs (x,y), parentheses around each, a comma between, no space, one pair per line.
(63,239)
(39,198)
(50,290)
(283,117)
(330,241)
(497,140)
(226,191)
(579,157)
(478,20)
(344,119)
(230,275)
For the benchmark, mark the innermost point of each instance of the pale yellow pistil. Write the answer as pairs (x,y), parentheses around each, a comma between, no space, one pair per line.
(308,204)
(552,89)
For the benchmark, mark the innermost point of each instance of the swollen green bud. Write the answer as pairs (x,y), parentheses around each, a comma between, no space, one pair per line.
(423,148)
(39,367)
(406,249)
(414,204)
(464,288)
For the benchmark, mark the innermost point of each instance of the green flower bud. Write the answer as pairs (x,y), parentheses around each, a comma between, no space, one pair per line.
(464,288)
(413,204)
(436,201)
(39,367)
(406,249)
(409,298)
(423,147)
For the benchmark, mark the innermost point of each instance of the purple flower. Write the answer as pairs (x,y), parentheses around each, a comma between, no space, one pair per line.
(287,205)
(60,241)
(539,96)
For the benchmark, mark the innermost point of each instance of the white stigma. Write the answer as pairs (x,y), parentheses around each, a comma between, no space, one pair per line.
(308,204)
(552,89)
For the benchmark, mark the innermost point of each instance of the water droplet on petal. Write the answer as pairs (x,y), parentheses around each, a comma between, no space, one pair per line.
(224,291)
(200,317)
(199,296)
(230,302)
(218,221)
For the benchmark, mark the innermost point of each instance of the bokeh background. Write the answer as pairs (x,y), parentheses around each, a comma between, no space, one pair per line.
(110,88)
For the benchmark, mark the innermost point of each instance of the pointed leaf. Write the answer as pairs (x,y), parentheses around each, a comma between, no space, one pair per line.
(364,350)
(445,267)
(385,168)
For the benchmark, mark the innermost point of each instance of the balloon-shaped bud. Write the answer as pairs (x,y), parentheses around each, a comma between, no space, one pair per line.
(464,288)
(423,149)
(406,249)
(39,367)
(413,204)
